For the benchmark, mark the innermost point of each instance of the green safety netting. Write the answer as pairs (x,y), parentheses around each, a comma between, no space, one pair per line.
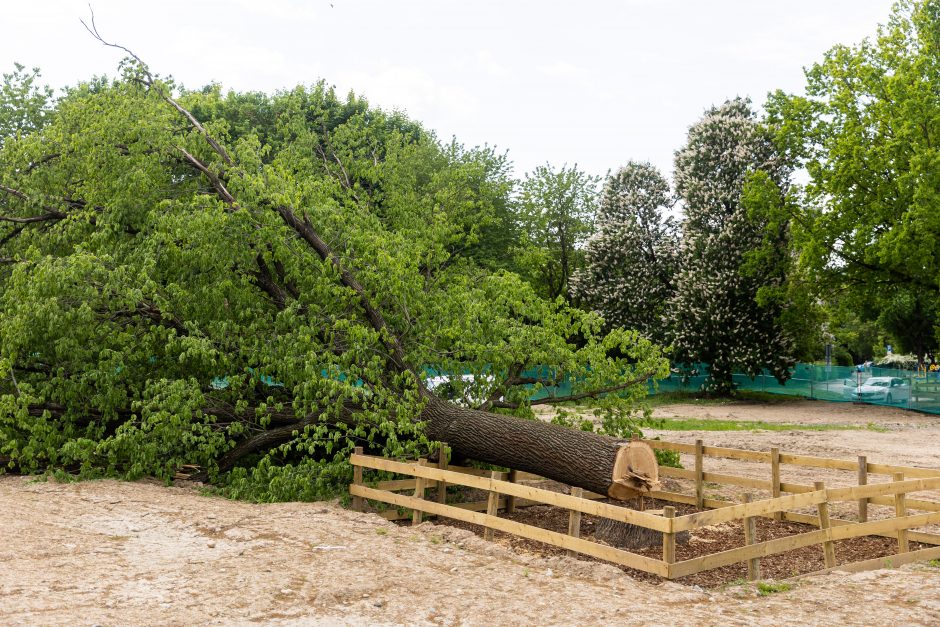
(853,384)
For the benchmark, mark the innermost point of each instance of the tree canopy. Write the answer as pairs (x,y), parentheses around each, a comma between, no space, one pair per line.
(254,284)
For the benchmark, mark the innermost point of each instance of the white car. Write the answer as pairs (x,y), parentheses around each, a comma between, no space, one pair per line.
(880,390)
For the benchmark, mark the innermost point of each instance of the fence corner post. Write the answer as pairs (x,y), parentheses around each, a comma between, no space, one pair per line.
(775,478)
(511,500)
(669,538)
(750,537)
(900,511)
(829,552)
(862,480)
(700,474)
(574,519)
(492,506)
(358,503)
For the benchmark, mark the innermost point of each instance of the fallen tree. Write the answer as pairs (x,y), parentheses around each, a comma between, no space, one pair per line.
(253,285)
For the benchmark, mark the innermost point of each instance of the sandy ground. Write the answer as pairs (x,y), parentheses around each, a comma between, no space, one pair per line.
(113,553)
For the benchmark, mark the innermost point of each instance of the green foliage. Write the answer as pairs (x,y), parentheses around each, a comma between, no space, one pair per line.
(24,105)
(149,324)
(766,588)
(867,223)
(555,216)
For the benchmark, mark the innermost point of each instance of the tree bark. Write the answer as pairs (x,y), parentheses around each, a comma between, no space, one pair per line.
(617,468)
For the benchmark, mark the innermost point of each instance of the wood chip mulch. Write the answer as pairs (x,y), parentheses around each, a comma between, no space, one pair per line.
(704,541)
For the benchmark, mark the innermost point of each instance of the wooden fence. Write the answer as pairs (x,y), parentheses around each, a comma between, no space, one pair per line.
(505,492)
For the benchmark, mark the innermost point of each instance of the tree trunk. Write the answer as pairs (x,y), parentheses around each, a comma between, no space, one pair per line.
(619,469)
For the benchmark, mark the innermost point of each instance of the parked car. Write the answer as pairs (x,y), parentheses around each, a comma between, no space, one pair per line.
(879,390)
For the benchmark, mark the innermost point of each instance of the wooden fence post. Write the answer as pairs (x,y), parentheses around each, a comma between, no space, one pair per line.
(574,519)
(750,537)
(775,478)
(358,503)
(829,552)
(492,506)
(442,464)
(419,494)
(862,480)
(700,474)
(511,500)
(900,510)
(669,539)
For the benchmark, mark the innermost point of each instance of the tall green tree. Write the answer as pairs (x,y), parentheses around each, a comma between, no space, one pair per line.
(717,315)
(556,216)
(631,262)
(867,133)
(255,285)
(24,103)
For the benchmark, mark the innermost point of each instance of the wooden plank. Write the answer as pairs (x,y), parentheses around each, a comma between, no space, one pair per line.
(750,537)
(757,508)
(829,552)
(862,480)
(817,462)
(795,488)
(775,478)
(900,510)
(908,471)
(419,494)
(747,482)
(622,514)
(699,474)
(492,509)
(554,538)
(880,489)
(357,503)
(927,506)
(892,561)
(912,536)
(394,485)
(736,453)
(681,473)
(669,539)
(574,519)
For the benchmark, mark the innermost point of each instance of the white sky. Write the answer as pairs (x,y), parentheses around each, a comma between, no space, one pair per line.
(593,83)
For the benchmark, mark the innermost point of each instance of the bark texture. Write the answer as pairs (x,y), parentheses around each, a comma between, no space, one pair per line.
(577,458)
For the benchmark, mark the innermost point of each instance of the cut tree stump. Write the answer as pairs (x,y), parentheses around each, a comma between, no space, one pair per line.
(626,536)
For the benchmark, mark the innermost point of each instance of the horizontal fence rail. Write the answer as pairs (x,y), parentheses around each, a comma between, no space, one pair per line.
(506,492)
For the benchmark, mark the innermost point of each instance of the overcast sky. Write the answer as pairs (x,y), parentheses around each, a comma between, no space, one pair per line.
(592,83)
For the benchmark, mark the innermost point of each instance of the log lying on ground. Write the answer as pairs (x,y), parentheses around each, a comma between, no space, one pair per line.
(621,469)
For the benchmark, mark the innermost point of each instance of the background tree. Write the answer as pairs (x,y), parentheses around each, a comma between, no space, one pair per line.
(866,132)
(630,263)
(555,215)
(716,315)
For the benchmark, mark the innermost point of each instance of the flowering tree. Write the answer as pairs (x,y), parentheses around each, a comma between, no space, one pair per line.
(721,314)
(630,263)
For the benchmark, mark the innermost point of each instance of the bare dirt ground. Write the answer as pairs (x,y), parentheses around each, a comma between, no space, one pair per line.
(113,553)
